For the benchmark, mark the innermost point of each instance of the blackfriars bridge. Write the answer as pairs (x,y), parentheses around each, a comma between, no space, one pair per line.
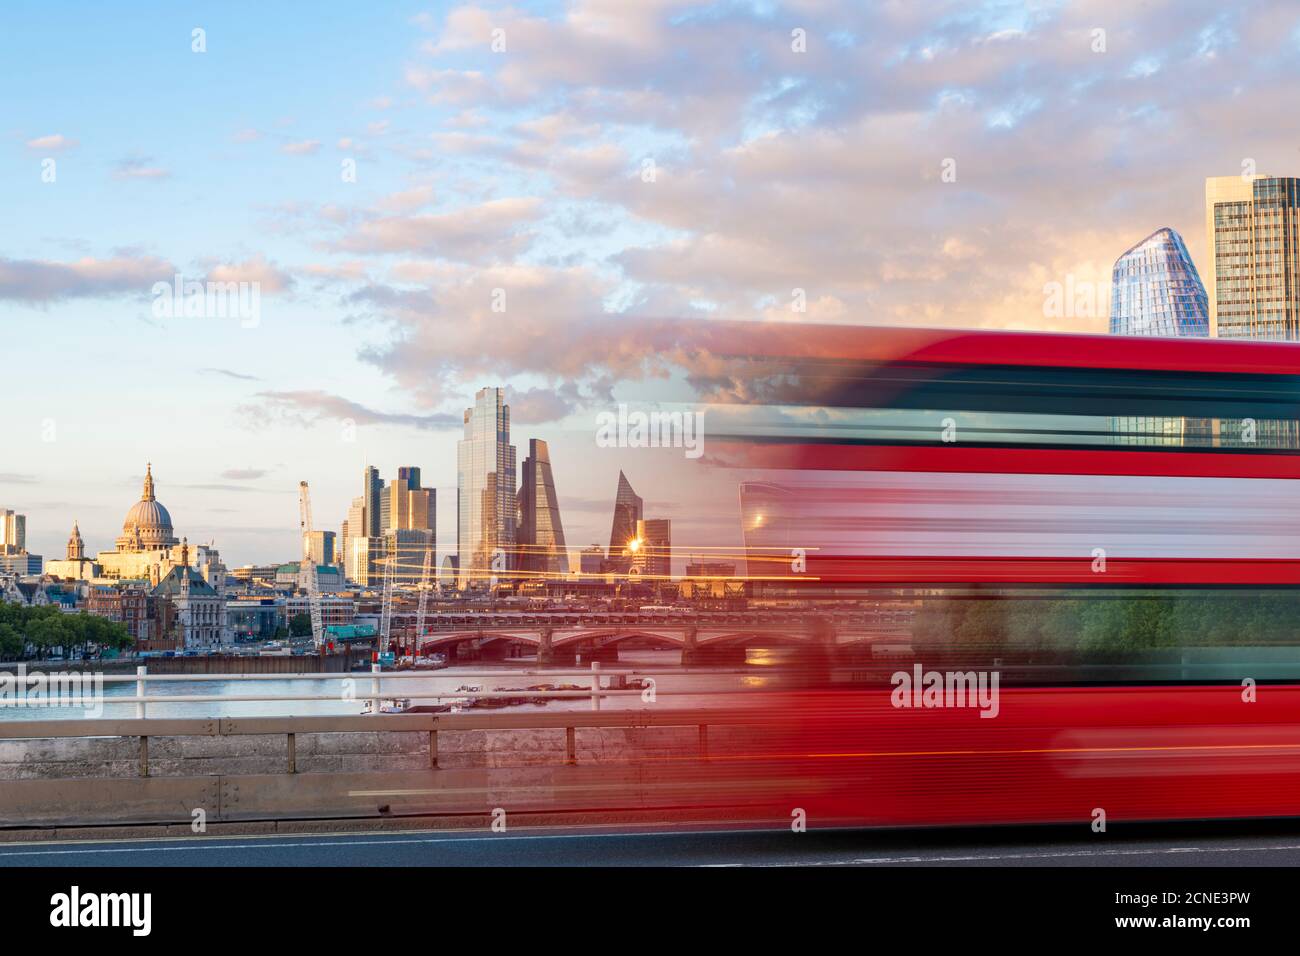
(563,638)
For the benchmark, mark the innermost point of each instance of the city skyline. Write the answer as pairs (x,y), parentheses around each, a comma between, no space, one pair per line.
(853,435)
(478,171)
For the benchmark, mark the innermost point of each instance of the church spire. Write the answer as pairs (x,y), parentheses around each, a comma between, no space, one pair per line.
(148,483)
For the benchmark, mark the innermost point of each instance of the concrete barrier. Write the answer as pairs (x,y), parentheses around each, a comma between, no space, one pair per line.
(161,771)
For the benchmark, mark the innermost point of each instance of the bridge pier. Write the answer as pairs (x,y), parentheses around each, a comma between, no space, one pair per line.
(691,654)
(546,649)
(819,655)
(548,655)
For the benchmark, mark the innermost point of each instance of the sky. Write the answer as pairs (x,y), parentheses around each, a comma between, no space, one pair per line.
(432,198)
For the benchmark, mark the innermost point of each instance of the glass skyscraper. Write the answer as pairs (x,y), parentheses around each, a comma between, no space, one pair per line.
(485,491)
(654,555)
(627,512)
(372,490)
(1155,290)
(1251,226)
(541,535)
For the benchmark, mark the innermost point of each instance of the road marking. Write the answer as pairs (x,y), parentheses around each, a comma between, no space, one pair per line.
(1053,855)
(380,840)
(281,846)
(310,841)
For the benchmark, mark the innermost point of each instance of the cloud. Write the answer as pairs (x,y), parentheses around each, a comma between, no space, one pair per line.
(823,171)
(258,268)
(43,281)
(227,373)
(139,168)
(306,408)
(55,143)
(533,406)
(352,270)
(244,474)
(409,200)
(15,478)
(307,147)
(489,231)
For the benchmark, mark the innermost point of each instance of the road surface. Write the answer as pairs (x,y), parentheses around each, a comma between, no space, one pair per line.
(1189,845)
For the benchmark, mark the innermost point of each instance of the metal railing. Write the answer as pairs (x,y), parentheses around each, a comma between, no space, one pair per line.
(595,691)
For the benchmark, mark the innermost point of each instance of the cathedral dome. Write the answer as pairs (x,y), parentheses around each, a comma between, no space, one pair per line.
(148,526)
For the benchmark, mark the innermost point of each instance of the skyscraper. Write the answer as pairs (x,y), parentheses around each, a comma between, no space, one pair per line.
(592,560)
(485,490)
(354,526)
(409,519)
(627,512)
(1155,290)
(372,491)
(408,546)
(363,562)
(405,506)
(541,535)
(1252,228)
(655,547)
(320,545)
(13,532)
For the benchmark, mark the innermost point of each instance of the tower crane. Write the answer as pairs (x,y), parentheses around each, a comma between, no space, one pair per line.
(308,577)
(424,602)
(386,609)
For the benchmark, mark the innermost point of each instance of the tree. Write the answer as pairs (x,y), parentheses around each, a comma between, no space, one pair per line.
(11,641)
(300,625)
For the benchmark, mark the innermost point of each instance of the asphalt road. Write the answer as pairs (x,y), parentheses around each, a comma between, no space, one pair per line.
(1181,846)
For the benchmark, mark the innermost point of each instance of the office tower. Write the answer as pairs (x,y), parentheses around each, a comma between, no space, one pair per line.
(1254,278)
(354,526)
(592,560)
(21,562)
(372,492)
(13,532)
(409,547)
(447,577)
(769,523)
(320,546)
(541,535)
(406,506)
(654,550)
(704,568)
(627,512)
(409,516)
(363,563)
(485,490)
(1155,290)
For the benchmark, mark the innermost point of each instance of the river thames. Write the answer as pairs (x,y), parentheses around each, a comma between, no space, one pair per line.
(674,687)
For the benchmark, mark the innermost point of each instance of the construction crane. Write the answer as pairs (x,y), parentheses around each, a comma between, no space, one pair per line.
(424,602)
(386,609)
(308,577)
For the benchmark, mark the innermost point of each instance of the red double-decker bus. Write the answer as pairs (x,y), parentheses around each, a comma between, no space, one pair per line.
(1110,526)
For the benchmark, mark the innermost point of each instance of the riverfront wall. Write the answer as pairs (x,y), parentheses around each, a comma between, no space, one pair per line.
(83,757)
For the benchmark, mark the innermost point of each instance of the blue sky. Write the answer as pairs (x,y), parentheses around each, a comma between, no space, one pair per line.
(524,169)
